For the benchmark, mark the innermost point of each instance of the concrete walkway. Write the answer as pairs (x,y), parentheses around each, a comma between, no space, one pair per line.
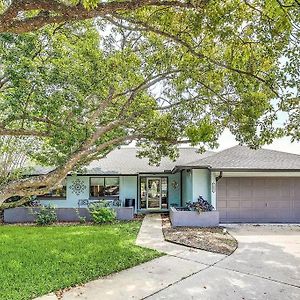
(186,273)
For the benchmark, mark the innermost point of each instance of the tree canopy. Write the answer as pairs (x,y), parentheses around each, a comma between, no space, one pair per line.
(158,72)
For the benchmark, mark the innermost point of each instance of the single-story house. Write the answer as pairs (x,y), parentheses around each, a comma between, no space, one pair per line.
(244,185)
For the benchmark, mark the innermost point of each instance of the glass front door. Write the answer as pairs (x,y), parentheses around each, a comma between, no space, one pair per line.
(153,193)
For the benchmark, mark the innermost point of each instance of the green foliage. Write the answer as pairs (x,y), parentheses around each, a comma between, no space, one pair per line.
(203,131)
(46,215)
(101,214)
(82,219)
(38,260)
(231,64)
(13,156)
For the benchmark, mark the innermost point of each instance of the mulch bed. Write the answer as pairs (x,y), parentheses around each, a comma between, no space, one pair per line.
(213,239)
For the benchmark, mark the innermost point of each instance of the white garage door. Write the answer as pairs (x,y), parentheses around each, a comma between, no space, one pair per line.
(255,199)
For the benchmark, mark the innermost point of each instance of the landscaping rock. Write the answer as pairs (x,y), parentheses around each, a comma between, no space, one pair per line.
(212,239)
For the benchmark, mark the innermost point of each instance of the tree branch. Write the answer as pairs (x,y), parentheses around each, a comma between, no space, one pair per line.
(39,185)
(20,202)
(101,107)
(58,12)
(3,81)
(21,132)
(147,83)
(149,28)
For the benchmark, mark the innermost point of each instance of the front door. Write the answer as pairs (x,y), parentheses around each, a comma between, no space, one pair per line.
(153,193)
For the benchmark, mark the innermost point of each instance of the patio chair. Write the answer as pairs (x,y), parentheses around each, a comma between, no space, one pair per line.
(83,202)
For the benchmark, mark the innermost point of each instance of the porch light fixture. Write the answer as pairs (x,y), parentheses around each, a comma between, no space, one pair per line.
(213,187)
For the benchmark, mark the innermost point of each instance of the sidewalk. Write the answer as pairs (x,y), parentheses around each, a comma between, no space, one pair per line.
(147,279)
(151,236)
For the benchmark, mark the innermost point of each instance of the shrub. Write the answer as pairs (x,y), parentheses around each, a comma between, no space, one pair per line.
(46,215)
(102,214)
(82,219)
(200,206)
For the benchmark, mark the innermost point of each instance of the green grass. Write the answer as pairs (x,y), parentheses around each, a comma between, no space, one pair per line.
(37,260)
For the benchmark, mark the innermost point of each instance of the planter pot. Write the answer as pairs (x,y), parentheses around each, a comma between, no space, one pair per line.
(124,213)
(193,218)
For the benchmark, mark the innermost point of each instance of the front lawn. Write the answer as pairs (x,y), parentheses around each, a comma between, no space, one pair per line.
(37,260)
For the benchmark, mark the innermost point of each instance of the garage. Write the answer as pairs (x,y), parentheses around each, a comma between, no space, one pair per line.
(259,199)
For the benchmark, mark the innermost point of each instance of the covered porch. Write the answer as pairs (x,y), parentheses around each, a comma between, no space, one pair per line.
(158,192)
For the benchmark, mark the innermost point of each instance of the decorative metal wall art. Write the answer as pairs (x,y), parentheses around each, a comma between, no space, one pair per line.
(78,186)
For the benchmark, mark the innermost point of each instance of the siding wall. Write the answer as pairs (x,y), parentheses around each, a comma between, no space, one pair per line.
(128,189)
(201,184)
(72,196)
(187,186)
(174,193)
(213,190)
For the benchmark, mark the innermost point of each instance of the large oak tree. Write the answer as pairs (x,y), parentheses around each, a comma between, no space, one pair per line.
(83,77)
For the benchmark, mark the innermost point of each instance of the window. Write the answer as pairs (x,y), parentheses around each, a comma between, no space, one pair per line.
(59,193)
(104,186)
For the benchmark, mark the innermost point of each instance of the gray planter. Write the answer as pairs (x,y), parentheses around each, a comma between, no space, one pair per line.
(193,218)
(20,215)
(125,213)
(26,214)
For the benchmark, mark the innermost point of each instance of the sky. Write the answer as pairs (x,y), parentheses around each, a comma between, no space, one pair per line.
(284,144)
(227,140)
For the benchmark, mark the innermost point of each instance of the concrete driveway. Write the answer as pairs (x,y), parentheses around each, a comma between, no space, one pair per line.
(265,266)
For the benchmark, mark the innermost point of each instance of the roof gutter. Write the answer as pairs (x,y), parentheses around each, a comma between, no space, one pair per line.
(252,170)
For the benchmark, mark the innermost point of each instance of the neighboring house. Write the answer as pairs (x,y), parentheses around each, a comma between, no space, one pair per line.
(244,185)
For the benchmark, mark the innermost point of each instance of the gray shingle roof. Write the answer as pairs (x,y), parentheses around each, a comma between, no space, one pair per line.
(242,157)
(124,161)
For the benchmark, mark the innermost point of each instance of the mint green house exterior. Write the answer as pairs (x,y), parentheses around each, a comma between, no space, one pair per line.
(152,188)
(244,185)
